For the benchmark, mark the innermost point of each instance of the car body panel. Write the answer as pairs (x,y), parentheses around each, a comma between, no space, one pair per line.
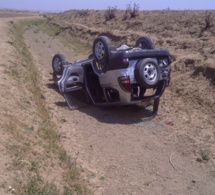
(72,78)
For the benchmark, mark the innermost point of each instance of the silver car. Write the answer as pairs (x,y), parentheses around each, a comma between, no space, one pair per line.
(116,76)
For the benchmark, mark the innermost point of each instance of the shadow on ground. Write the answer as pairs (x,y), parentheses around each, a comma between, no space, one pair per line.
(128,114)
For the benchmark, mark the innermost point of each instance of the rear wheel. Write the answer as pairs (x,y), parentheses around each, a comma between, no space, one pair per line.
(145,42)
(147,72)
(57,65)
(91,56)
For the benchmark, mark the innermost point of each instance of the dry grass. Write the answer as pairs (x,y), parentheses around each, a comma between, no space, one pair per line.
(189,35)
(40,161)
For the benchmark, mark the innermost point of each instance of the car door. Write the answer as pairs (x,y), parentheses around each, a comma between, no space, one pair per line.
(72,78)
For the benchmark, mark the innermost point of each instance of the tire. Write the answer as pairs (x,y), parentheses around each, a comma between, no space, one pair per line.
(145,42)
(91,56)
(101,49)
(57,65)
(147,73)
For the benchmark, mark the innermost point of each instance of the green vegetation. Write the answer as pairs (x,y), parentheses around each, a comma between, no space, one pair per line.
(206,155)
(36,186)
(43,25)
(54,30)
(34,165)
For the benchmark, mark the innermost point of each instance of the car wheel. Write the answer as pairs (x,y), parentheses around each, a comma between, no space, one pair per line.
(91,56)
(147,72)
(57,65)
(101,49)
(145,42)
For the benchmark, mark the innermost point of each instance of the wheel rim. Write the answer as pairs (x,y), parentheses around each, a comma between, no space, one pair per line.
(57,65)
(150,73)
(100,50)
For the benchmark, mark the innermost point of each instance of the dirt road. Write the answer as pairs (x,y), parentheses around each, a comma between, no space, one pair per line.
(120,153)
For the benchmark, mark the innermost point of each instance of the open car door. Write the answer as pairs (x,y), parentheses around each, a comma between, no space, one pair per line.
(72,78)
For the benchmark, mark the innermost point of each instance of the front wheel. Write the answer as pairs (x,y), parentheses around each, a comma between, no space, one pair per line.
(57,65)
(147,72)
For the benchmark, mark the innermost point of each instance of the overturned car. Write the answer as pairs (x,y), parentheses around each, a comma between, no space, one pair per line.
(116,76)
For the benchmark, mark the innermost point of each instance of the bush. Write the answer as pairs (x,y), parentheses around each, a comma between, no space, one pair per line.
(110,12)
(209,23)
(132,11)
(208,20)
(83,13)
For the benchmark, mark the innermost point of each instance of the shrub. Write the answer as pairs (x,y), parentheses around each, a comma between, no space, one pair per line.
(83,13)
(110,12)
(126,15)
(209,23)
(208,20)
(132,11)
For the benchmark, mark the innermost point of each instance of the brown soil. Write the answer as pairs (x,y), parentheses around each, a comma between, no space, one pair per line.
(120,153)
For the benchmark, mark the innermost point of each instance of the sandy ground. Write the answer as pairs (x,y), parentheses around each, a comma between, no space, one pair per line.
(120,153)
(9,97)
(5,50)
(124,154)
